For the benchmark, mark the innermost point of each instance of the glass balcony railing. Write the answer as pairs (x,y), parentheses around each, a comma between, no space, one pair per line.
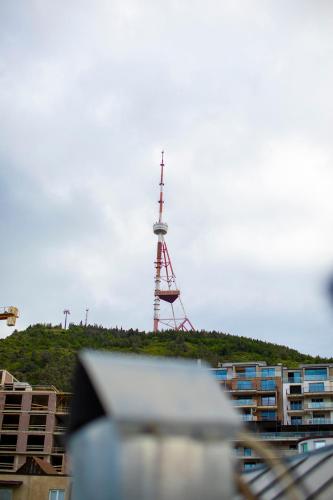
(268,436)
(319,421)
(244,402)
(318,388)
(244,375)
(320,405)
(316,377)
(248,418)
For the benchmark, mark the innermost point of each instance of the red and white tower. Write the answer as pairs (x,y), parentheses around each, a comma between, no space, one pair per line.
(165,280)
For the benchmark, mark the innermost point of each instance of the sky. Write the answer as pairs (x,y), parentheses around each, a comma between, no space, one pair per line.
(237,93)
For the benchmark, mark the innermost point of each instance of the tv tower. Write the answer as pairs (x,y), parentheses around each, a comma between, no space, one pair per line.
(165,280)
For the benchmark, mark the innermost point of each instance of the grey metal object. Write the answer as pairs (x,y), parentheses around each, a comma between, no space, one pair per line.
(150,428)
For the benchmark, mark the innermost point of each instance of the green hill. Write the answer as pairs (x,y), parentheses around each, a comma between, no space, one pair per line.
(45,354)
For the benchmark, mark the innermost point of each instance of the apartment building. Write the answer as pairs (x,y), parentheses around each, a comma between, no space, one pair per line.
(308,395)
(255,389)
(284,407)
(32,424)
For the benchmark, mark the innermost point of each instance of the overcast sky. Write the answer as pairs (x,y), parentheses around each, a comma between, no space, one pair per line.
(238,93)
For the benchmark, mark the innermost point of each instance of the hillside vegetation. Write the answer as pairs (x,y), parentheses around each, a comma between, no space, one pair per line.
(45,354)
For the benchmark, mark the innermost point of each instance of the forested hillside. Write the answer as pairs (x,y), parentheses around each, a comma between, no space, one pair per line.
(45,354)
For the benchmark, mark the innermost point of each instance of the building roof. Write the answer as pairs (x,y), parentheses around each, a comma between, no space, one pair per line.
(243,363)
(37,467)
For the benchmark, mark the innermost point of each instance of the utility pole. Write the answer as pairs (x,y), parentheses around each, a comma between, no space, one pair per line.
(66,312)
(86,320)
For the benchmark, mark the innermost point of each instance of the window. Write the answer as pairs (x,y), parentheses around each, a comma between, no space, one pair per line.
(295,389)
(35,442)
(247,452)
(244,384)
(304,447)
(296,420)
(315,374)
(39,402)
(294,377)
(268,372)
(319,444)
(295,405)
(268,401)
(268,385)
(319,387)
(6,494)
(57,495)
(268,415)
(220,374)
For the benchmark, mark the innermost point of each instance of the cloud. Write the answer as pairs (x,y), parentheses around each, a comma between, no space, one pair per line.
(238,95)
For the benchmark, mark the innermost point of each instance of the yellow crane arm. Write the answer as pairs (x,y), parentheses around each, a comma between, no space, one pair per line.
(9,313)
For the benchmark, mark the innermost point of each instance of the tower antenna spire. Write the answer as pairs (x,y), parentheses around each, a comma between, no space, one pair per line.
(165,280)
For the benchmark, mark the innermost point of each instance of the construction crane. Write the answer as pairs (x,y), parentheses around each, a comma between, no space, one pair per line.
(10,314)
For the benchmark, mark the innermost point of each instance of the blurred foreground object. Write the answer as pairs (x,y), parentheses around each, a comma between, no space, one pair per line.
(150,428)
(9,313)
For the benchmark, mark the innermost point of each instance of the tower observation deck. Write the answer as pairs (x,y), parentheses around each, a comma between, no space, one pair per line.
(166,289)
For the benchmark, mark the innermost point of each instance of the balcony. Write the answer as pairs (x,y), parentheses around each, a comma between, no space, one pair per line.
(323,390)
(238,389)
(248,418)
(61,429)
(291,436)
(8,447)
(37,428)
(58,449)
(9,427)
(316,377)
(63,409)
(323,405)
(269,388)
(294,394)
(266,405)
(58,468)
(12,407)
(244,402)
(5,466)
(243,375)
(319,421)
(295,410)
(35,447)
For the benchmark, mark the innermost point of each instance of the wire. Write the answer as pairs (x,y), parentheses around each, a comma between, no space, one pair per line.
(281,471)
